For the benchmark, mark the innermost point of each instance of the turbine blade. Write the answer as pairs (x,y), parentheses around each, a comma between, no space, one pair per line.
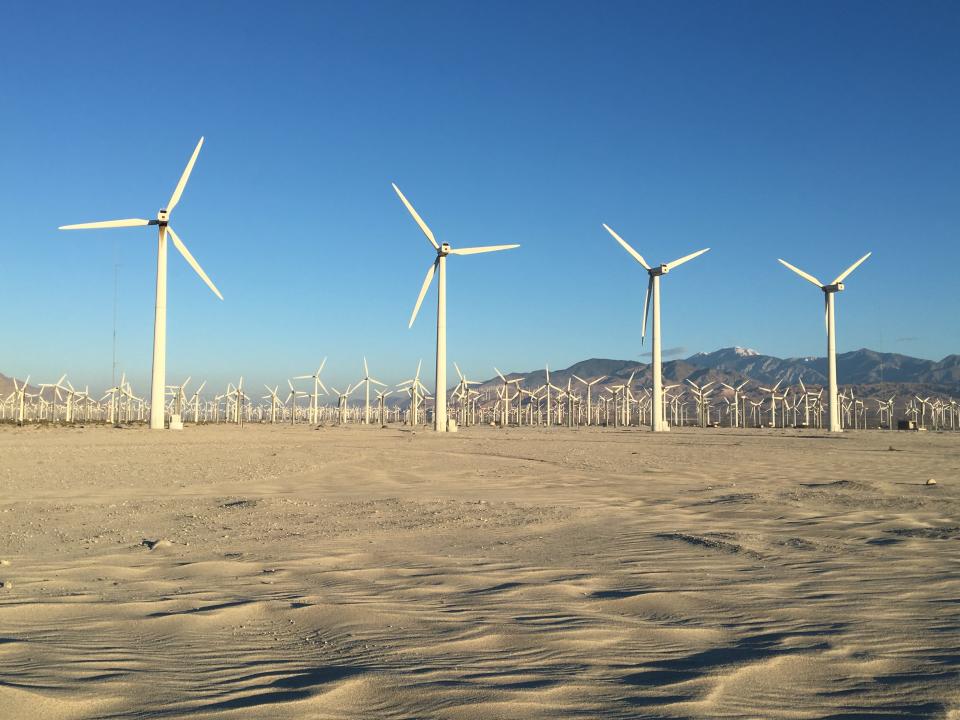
(420,222)
(801,273)
(130,222)
(841,276)
(485,249)
(636,256)
(423,291)
(193,263)
(685,258)
(366,370)
(646,310)
(178,191)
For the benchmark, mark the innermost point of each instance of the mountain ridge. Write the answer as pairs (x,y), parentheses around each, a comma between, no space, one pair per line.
(864,368)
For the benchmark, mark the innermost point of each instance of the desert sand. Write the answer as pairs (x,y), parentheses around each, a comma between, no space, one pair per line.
(367,573)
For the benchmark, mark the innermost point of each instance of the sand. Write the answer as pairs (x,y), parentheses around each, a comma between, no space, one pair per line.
(367,573)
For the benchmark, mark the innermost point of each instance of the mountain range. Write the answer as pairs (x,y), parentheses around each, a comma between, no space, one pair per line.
(869,372)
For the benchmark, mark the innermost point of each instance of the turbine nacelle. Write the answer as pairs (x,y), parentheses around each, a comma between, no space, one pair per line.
(836,287)
(660,270)
(444,249)
(163,216)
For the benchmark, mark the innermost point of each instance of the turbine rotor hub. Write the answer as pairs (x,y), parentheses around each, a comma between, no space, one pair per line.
(836,287)
(444,249)
(163,217)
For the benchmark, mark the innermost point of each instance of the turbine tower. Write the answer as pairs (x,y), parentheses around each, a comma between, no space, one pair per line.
(658,421)
(439,267)
(158,378)
(828,293)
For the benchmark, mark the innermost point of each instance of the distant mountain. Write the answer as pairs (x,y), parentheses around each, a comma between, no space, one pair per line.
(867,370)
(6,386)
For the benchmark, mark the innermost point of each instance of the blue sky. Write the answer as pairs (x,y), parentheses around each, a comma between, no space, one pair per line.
(809,131)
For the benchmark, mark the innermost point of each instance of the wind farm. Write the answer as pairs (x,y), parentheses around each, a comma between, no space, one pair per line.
(565,476)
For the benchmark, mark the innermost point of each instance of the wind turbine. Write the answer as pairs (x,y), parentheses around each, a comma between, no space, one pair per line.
(550,386)
(366,380)
(439,267)
(162,221)
(275,402)
(828,293)
(657,421)
(314,399)
(196,403)
(20,392)
(507,399)
(736,402)
(292,399)
(414,387)
(463,391)
(589,385)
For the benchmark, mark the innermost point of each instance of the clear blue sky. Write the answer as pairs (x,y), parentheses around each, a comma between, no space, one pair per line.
(811,131)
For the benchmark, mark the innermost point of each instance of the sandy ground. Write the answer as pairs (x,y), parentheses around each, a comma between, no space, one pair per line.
(367,573)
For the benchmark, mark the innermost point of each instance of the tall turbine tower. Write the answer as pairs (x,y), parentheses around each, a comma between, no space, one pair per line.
(157,386)
(828,293)
(658,422)
(439,266)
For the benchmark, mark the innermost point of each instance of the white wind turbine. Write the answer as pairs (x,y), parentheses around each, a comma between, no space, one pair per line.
(292,399)
(315,397)
(657,422)
(439,267)
(417,392)
(196,402)
(589,385)
(342,398)
(463,391)
(381,405)
(550,386)
(736,402)
(20,392)
(828,293)
(366,381)
(275,402)
(162,221)
(505,407)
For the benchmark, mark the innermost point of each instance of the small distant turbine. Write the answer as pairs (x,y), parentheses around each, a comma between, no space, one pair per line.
(828,293)
(157,387)
(657,419)
(439,267)
(367,380)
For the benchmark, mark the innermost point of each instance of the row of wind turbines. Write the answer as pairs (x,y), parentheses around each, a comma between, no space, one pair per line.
(441,419)
(599,401)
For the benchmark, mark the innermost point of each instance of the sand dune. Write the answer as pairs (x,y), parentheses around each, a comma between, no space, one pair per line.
(346,573)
